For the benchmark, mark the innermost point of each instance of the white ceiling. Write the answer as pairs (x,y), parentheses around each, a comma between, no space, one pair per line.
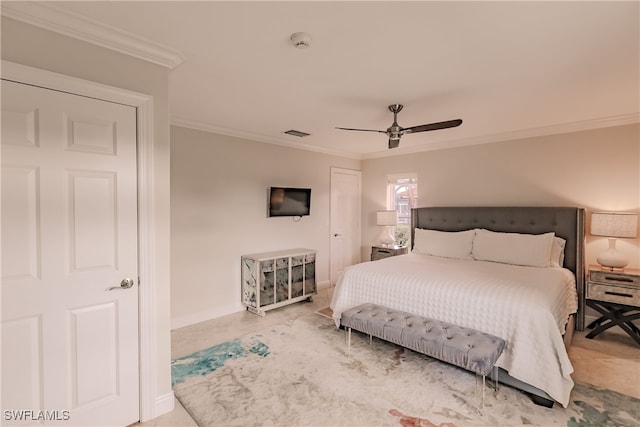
(508,69)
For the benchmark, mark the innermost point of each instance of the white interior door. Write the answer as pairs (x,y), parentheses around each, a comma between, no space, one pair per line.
(69,239)
(345,220)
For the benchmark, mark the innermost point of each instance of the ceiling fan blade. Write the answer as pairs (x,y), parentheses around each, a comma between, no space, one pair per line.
(433,126)
(393,143)
(363,130)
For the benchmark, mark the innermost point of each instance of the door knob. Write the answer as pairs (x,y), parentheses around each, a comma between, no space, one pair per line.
(125,284)
(337,235)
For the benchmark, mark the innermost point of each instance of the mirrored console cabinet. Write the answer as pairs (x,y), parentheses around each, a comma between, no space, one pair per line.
(274,279)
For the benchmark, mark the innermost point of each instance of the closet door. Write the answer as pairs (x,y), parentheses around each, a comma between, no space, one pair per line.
(345,220)
(69,259)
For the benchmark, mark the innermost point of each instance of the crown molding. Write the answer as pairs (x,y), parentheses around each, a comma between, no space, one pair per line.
(193,124)
(584,125)
(604,122)
(53,18)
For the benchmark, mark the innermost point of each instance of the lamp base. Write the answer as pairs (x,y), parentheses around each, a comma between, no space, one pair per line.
(611,258)
(388,238)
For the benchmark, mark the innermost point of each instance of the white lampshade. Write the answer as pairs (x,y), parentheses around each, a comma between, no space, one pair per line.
(387,218)
(613,225)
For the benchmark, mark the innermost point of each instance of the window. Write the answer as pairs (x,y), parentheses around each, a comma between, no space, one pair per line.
(402,196)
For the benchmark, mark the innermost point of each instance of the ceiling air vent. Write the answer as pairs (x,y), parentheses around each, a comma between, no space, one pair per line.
(296,133)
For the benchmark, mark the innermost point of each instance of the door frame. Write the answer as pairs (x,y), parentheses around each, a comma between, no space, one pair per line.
(146,214)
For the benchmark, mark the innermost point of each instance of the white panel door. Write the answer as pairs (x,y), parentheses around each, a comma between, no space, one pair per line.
(345,220)
(69,238)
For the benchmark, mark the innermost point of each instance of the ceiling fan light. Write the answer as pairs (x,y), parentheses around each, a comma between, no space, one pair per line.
(394,143)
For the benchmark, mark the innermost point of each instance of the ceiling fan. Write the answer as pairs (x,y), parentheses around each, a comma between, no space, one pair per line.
(395,132)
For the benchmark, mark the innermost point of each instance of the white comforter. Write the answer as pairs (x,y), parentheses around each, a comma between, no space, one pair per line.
(526,306)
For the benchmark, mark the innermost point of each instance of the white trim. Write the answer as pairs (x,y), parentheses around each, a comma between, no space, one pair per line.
(63,83)
(584,125)
(146,265)
(144,104)
(53,18)
(604,122)
(324,284)
(395,177)
(203,316)
(165,403)
(193,124)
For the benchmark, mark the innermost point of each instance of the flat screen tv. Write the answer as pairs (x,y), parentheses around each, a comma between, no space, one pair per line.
(284,201)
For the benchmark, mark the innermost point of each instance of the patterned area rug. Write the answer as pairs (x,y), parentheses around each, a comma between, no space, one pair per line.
(302,374)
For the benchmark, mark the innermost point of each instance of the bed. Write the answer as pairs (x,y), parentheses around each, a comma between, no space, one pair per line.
(533,307)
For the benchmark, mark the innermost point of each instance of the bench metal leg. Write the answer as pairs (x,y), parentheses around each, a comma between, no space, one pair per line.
(495,377)
(483,384)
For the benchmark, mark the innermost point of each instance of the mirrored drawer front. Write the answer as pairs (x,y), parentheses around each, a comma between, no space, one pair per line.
(614,278)
(618,294)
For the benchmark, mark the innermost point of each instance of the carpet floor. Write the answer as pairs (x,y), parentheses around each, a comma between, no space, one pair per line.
(302,374)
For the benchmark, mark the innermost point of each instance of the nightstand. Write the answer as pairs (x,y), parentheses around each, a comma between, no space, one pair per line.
(379,252)
(616,296)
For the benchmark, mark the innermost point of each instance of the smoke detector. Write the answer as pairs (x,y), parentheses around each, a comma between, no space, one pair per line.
(301,40)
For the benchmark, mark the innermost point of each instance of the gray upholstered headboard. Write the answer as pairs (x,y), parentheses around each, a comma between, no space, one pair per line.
(567,223)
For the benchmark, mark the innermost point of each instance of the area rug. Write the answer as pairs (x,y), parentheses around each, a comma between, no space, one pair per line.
(302,374)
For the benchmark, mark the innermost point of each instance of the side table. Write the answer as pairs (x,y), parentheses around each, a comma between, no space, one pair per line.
(379,252)
(616,296)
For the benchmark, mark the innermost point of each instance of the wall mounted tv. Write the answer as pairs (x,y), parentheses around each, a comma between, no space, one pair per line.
(285,201)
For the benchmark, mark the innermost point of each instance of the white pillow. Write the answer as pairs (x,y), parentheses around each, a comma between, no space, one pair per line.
(513,248)
(557,252)
(448,244)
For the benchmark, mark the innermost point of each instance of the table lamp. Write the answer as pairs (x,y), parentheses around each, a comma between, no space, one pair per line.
(388,219)
(613,225)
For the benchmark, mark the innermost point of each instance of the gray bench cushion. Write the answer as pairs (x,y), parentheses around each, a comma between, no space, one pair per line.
(463,347)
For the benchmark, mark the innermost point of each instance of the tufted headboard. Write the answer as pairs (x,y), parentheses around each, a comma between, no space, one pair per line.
(566,222)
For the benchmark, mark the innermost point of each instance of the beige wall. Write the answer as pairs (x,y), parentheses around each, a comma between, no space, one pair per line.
(598,170)
(219,212)
(35,47)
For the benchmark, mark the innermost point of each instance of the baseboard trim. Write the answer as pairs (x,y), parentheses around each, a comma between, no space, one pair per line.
(324,284)
(165,404)
(203,316)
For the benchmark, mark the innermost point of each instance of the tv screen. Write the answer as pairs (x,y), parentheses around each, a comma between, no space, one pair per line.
(285,201)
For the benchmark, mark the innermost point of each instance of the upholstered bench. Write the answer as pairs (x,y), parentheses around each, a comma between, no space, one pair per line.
(463,347)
